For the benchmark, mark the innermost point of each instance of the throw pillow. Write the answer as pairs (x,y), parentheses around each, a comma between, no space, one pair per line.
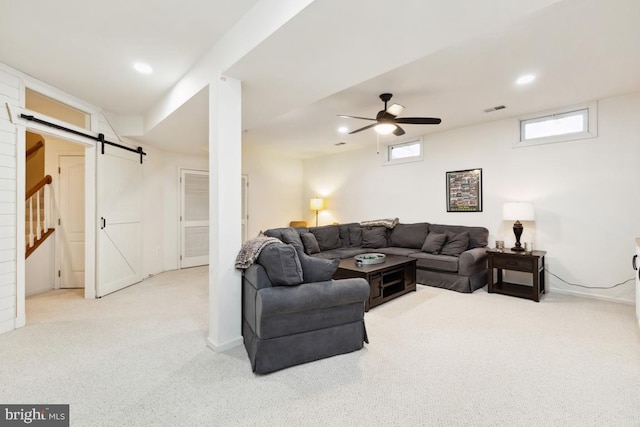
(317,269)
(282,265)
(291,236)
(310,243)
(374,237)
(328,237)
(409,235)
(456,243)
(434,243)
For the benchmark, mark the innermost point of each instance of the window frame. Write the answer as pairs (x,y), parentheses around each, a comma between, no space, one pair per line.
(591,131)
(389,148)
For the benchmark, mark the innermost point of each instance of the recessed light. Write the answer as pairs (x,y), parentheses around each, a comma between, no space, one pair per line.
(143,68)
(343,129)
(525,80)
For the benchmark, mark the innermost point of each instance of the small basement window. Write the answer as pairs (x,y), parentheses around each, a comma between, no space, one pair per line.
(409,151)
(558,126)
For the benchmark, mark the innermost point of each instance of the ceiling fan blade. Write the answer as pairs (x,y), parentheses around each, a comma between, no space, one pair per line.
(399,131)
(395,110)
(364,128)
(355,117)
(419,120)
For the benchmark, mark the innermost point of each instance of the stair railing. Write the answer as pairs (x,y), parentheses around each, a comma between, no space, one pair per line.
(37,227)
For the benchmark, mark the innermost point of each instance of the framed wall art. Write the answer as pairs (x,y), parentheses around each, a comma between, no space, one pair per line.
(464,191)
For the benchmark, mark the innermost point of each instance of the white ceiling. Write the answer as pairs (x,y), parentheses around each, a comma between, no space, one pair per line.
(440,59)
(87,47)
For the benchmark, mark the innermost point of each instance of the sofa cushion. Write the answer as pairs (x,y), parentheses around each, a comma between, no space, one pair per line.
(343,233)
(392,250)
(409,235)
(436,262)
(355,236)
(274,232)
(292,237)
(310,243)
(374,237)
(340,253)
(478,236)
(311,296)
(434,243)
(455,244)
(317,269)
(282,265)
(328,237)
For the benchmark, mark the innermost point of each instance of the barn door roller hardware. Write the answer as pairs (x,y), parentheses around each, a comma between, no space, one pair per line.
(99,138)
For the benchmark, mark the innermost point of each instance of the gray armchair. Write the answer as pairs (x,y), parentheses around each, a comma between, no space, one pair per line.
(285,323)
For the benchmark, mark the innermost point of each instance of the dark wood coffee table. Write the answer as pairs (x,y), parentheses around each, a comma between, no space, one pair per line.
(394,277)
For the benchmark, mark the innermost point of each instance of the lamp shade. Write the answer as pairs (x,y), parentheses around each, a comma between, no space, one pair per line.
(518,211)
(316,204)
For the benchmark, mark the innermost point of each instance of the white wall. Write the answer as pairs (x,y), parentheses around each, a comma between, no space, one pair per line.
(586,209)
(40,268)
(275,189)
(9,92)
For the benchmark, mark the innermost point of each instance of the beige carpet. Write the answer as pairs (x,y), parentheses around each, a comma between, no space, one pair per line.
(436,357)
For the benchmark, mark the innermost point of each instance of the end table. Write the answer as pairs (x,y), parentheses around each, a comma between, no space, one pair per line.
(528,262)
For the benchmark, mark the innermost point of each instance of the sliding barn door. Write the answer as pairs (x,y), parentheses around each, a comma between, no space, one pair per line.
(194,218)
(119,214)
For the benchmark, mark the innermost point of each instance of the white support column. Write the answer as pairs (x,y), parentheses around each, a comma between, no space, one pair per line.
(225,172)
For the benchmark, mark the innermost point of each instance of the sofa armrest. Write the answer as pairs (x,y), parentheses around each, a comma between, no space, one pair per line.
(472,261)
(311,296)
(256,277)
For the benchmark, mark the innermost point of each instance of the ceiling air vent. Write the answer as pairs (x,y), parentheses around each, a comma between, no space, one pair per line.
(496,108)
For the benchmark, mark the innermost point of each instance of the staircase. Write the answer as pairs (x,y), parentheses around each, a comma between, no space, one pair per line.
(37,221)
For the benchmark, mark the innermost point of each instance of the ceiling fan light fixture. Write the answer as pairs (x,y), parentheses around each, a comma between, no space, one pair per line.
(395,109)
(384,128)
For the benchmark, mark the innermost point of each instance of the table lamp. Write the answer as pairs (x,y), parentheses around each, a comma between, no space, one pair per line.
(518,211)
(316,204)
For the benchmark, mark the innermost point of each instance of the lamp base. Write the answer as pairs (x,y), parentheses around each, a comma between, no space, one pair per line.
(517,230)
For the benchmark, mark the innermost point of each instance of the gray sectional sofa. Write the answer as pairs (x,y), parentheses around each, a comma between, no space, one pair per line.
(448,256)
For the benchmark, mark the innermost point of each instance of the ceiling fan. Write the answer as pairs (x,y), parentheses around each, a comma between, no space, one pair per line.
(387,119)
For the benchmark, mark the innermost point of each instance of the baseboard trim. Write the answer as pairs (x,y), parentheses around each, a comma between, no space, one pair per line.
(219,348)
(592,296)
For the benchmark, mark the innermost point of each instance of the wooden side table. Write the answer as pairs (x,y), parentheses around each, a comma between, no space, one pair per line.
(528,262)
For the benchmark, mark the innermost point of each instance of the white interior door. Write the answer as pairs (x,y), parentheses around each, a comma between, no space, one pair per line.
(194,218)
(119,217)
(70,230)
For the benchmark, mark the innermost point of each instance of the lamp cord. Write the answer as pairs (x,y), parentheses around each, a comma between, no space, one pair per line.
(589,287)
